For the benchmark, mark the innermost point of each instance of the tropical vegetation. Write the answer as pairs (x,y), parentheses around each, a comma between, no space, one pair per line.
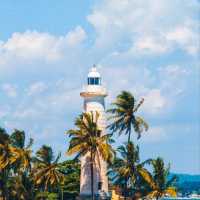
(87,140)
(25,175)
(127,171)
(123,115)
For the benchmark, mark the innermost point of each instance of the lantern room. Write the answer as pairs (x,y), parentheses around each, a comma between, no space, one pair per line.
(94,77)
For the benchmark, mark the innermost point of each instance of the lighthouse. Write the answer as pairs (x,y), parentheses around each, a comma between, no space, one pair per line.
(94,100)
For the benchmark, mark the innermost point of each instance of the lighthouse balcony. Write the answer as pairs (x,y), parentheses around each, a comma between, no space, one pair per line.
(93,90)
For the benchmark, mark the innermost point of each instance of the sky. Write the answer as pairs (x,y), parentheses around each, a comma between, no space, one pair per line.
(147,47)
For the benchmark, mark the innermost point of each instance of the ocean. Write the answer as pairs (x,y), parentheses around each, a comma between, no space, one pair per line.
(181,198)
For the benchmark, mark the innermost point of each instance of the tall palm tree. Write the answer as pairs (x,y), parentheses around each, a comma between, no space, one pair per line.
(127,171)
(20,151)
(123,115)
(87,139)
(159,182)
(46,171)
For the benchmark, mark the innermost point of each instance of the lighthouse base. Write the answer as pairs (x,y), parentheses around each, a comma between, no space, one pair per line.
(96,197)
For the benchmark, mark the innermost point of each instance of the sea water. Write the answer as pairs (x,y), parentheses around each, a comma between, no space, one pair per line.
(181,198)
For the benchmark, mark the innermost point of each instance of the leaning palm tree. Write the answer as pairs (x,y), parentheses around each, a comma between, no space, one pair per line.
(123,117)
(159,182)
(127,171)
(88,140)
(46,173)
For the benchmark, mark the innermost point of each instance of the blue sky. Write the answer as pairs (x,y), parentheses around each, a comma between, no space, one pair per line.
(147,47)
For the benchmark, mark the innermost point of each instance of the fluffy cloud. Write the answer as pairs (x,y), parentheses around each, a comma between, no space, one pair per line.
(154,135)
(149,26)
(76,36)
(155,102)
(185,37)
(36,88)
(9,89)
(149,45)
(34,45)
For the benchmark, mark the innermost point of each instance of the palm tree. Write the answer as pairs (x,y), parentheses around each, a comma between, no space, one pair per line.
(18,189)
(20,152)
(46,171)
(87,140)
(123,115)
(4,160)
(159,182)
(128,170)
(6,156)
(15,159)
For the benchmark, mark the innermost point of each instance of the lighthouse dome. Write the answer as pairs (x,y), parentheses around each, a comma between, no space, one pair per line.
(94,73)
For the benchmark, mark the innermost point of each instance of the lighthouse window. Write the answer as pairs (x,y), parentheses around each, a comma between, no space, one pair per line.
(96,81)
(93,81)
(99,185)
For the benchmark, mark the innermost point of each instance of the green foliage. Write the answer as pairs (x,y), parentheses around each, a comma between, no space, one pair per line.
(47,196)
(21,171)
(71,183)
(87,139)
(127,171)
(24,176)
(123,118)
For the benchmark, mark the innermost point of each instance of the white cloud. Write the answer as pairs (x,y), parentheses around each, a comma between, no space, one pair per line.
(150,26)
(154,134)
(9,89)
(4,111)
(29,113)
(34,45)
(185,36)
(150,45)
(154,102)
(76,36)
(37,88)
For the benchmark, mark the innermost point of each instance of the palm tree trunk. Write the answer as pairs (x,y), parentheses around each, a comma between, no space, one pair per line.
(92,175)
(129,137)
(126,189)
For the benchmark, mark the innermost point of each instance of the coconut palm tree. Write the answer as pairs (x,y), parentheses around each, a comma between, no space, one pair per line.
(159,182)
(14,152)
(123,118)
(21,152)
(127,171)
(15,159)
(46,173)
(6,156)
(87,139)
(4,160)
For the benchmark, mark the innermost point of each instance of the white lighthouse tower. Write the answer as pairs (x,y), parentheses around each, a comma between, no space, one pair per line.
(94,94)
